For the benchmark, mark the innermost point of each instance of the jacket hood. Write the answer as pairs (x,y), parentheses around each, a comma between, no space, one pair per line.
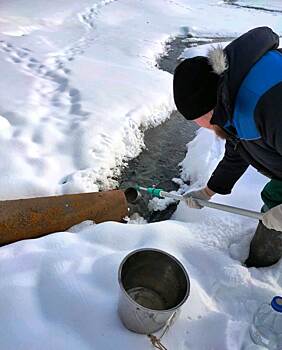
(233,64)
(218,59)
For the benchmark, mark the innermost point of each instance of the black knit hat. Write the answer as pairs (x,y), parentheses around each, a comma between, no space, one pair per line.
(195,87)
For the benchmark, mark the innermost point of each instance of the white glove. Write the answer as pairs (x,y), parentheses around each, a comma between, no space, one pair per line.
(273,218)
(203,193)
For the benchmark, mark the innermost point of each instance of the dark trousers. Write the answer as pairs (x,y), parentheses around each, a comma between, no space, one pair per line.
(266,245)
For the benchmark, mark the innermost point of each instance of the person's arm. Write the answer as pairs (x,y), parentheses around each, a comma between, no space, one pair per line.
(228,171)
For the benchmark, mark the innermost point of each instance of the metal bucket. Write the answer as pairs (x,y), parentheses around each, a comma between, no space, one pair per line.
(153,286)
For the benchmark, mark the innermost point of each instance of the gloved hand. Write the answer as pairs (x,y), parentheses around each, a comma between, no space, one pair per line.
(204,193)
(273,218)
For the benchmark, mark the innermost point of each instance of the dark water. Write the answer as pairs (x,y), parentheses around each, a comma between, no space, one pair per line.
(254,7)
(165,144)
(158,163)
(165,148)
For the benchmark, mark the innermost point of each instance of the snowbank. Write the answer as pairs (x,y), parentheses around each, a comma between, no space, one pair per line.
(61,291)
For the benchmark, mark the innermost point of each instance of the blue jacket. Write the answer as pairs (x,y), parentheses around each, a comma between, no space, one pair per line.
(249,108)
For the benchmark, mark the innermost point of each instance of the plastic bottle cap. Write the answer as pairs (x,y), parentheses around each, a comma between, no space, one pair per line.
(276,303)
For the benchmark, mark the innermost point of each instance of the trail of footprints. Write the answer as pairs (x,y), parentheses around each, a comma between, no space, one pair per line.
(54,86)
(54,100)
(88,16)
(53,71)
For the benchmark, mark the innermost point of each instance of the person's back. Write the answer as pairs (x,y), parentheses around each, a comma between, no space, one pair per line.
(247,107)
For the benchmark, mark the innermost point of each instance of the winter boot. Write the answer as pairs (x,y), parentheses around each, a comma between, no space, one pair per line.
(266,247)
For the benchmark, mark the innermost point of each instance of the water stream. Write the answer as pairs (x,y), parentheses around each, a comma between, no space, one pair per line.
(265,6)
(165,144)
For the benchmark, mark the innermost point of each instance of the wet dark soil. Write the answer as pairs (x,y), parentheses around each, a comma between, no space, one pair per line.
(165,144)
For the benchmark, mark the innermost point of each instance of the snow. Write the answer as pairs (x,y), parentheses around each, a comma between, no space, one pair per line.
(78,86)
(83,84)
(65,284)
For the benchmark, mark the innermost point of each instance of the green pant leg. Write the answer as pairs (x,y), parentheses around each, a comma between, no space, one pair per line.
(272,193)
(266,245)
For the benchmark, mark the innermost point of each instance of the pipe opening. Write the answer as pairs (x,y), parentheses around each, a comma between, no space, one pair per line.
(132,195)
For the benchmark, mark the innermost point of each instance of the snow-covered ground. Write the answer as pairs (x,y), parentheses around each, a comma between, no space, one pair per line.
(61,291)
(78,80)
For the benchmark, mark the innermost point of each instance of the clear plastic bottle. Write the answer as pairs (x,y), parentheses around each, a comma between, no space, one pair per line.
(266,329)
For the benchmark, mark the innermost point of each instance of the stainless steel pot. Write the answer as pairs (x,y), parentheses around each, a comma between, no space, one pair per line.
(153,286)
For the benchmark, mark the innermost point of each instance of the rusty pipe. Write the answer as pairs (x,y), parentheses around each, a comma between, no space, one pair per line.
(35,217)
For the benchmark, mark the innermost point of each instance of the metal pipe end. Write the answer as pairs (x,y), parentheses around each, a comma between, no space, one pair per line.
(132,195)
